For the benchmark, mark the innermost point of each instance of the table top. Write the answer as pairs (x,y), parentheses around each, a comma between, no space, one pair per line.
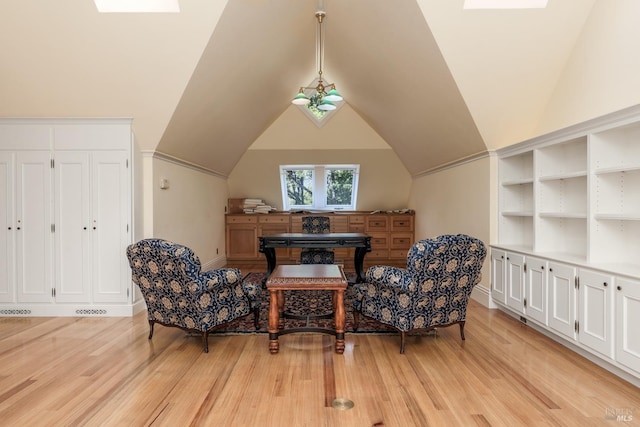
(301,275)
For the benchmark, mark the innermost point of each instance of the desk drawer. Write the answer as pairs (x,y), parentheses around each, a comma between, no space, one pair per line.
(273,219)
(242,219)
(401,240)
(398,253)
(377,254)
(379,241)
(377,223)
(402,223)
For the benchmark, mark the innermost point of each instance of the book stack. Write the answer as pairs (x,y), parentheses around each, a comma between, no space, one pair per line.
(255,206)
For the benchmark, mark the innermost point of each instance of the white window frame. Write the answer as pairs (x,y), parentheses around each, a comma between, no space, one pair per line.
(319,189)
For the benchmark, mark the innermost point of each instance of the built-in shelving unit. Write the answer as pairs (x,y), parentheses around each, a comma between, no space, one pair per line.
(568,250)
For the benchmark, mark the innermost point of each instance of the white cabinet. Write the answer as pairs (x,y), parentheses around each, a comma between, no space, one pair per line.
(66,217)
(627,319)
(33,227)
(536,289)
(91,226)
(7,227)
(110,226)
(595,325)
(570,199)
(72,221)
(515,282)
(498,275)
(562,299)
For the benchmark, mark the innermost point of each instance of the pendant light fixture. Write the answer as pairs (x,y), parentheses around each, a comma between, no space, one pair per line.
(319,97)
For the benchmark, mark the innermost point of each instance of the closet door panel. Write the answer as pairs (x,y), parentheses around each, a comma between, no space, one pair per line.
(34,242)
(71,237)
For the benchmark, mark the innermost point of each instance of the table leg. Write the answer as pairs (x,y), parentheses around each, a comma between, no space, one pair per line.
(340,321)
(274,345)
(280,309)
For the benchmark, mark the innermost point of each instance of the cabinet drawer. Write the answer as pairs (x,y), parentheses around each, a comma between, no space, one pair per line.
(379,241)
(401,241)
(402,223)
(273,219)
(377,223)
(378,254)
(398,253)
(356,228)
(356,219)
(241,219)
(339,224)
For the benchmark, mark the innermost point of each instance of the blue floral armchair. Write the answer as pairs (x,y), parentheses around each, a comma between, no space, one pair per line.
(433,291)
(316,225)
(178,294)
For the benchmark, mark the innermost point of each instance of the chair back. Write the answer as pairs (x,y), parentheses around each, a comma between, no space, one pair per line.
(163,271)
(448,264)
(316,224)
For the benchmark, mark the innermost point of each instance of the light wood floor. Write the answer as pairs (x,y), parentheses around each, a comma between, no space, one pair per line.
(104,372)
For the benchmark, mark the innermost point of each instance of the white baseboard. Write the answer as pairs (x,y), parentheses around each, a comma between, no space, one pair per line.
(217,262)
(482,295)
(71,310)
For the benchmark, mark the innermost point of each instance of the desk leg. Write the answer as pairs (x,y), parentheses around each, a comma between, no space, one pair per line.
(274,316)
(270,254)
(358,261)
(340,321)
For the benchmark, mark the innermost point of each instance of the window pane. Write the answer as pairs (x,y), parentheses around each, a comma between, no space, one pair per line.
(299,187)
(339,186)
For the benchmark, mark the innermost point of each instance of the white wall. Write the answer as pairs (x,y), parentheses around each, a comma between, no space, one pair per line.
(457,200)
(191,211)
(601,76)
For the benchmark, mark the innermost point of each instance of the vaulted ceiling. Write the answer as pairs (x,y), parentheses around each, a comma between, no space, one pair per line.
(436,82)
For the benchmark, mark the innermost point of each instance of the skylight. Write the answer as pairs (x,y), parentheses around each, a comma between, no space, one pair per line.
(137,6)
(505,4)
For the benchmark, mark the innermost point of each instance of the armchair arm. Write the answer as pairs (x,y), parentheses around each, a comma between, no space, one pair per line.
(220,277)
(395,278)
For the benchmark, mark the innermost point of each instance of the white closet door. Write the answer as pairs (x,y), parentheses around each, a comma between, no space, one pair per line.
(110,226)
(72,222)
(7,228)
(34,273)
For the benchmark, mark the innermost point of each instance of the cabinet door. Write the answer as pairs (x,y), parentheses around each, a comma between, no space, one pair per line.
(627,321)
(515,282)
(242,241)
(7,228)
(498,273)
(110,234)
(562,296)
(33,227)
(72,231)
(536,289)
(595,326)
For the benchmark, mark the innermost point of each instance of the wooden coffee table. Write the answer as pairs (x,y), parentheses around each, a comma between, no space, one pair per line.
(305,277)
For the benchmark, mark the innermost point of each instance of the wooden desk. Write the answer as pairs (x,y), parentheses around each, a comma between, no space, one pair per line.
(360,241)
(328,277)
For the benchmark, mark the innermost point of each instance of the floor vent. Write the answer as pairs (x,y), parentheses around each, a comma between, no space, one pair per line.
(523,319)
(91,311)
(16,312)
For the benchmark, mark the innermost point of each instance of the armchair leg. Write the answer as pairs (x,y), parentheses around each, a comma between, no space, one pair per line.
(151,323)
(402,340)
(205,341)
(256,318)
(356,320)
(462,330)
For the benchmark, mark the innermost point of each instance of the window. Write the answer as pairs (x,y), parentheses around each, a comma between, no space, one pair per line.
(321,187)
